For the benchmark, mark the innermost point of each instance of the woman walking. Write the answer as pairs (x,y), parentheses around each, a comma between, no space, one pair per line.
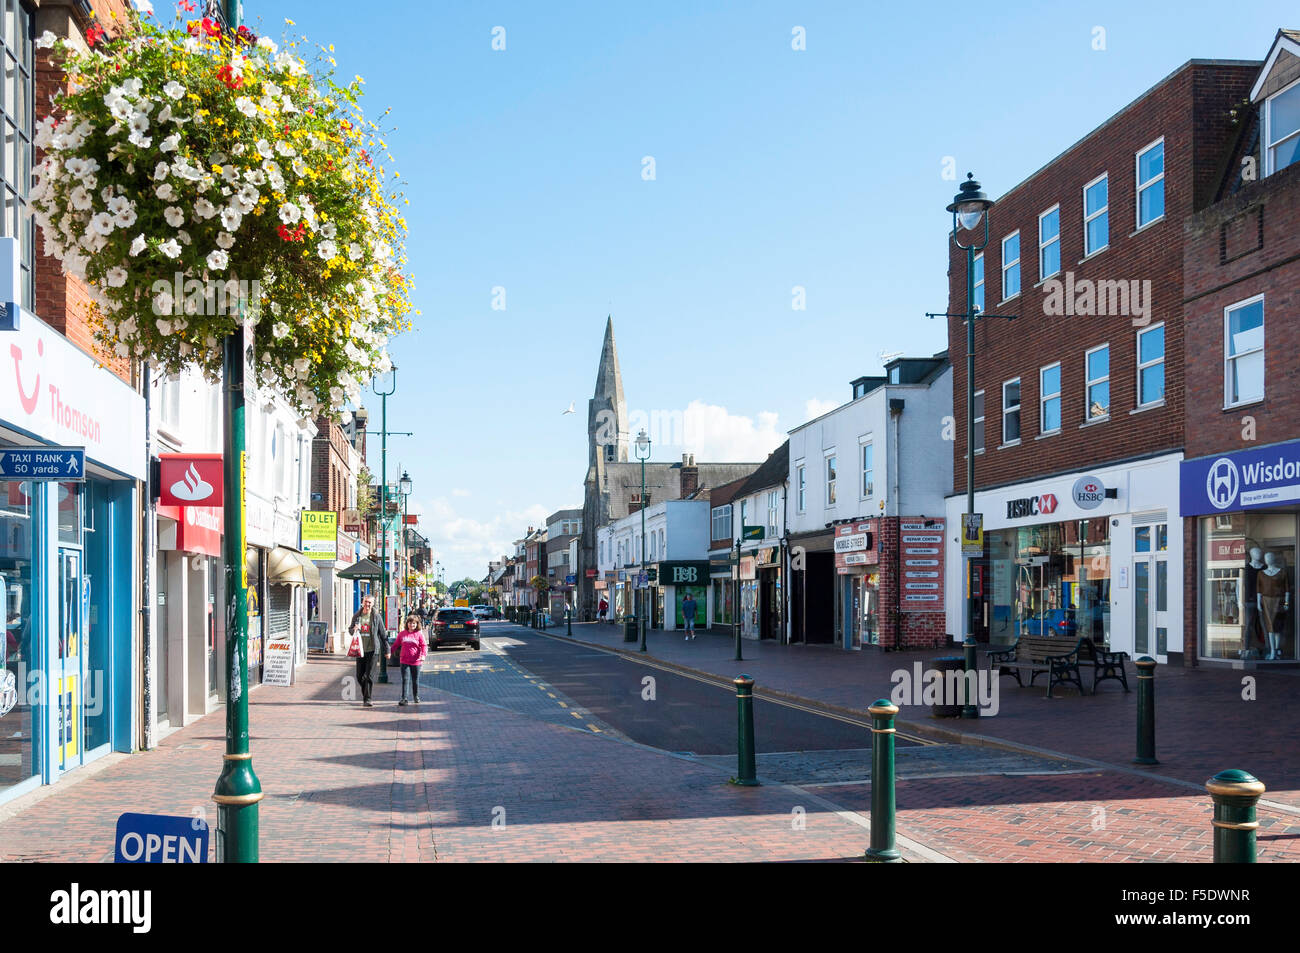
(411,644)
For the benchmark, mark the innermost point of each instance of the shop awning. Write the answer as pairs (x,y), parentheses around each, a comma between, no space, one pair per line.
(364,569)
(289,568)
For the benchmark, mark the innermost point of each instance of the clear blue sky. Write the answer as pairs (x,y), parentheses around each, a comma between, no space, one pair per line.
(774,168)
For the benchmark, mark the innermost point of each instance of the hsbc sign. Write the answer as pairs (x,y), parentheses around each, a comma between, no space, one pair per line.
(1042,505)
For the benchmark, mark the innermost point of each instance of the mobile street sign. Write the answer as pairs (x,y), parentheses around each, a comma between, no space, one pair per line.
(160,839)
(65,464)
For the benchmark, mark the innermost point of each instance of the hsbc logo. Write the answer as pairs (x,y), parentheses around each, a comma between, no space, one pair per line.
(1042,505)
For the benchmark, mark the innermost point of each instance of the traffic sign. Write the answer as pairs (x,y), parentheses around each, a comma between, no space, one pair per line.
(160,839)
(65,464)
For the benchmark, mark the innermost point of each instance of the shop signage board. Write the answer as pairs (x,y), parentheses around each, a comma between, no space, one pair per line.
(857,540)
(1247,479)
(279,662)
(921,541)
(65,464)
(1088,492)
(855,559)
(160,839)
(972,534)
(570,579)
(679,573)
(592,573)
(190,479)
(320,534)
(851,544)
(753,532)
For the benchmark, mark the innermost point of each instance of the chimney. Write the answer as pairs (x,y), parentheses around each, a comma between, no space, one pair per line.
(690,475)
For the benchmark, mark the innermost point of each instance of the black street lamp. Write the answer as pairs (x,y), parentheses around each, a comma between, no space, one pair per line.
(969,207)
(643,454)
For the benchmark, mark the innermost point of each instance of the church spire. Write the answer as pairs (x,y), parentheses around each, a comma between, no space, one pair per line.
(607,411)
(609,381)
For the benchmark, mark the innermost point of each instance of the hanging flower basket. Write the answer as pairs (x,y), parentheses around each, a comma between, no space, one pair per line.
(192,174)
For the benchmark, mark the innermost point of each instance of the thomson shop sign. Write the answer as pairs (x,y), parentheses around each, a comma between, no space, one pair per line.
(1248,479)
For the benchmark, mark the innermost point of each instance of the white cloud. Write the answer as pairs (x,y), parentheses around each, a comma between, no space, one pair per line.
(460,492)
(814,408)
(464,545)
(711,432)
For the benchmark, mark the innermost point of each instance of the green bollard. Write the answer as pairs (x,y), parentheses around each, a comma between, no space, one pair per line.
(970,708)
(1146,715)
(747,773)
(882,849)
(1235,794)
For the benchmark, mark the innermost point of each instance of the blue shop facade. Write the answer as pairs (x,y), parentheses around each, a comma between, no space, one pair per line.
(69,559)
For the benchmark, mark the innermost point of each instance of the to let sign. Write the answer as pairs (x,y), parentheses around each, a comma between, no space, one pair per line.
(189,479)
(65,464)
(160,839)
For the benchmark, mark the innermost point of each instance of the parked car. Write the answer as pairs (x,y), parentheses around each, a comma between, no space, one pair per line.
(454,626)
(481,611)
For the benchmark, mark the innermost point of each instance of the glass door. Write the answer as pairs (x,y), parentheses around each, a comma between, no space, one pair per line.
(69,668)
(1151,590)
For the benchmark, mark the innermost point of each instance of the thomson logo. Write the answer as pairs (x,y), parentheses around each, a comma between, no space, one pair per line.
(73,906)
(1222,483)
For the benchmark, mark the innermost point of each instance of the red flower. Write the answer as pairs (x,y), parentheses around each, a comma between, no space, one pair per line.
(283,232)
(211,27)
(95,34)
(186,5)
(227,75)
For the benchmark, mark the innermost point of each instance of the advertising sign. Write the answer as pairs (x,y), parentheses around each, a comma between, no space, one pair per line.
(683,573)
(1247,479)
(857,540)
(199,530)
(160,839)
(187,479)
(921,541)
(972,534)
(66,464)
(279,662)
(320,534)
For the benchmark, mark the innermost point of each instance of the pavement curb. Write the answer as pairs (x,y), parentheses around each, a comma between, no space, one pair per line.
(922,730)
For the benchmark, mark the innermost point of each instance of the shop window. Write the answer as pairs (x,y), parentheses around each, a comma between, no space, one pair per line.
(1248,586)
(722,594)
(20,728)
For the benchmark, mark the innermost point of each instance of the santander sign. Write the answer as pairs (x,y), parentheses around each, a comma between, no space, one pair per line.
(190,479)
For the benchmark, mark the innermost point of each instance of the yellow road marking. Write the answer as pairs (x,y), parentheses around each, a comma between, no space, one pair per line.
(592,727)
(562,705)
(575,714)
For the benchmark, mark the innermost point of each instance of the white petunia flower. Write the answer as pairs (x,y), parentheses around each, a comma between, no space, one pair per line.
(170,144)
(263,43)
(225,240)
(354,251)
(140,141)
(174,89)
(218,260)
(80,199)
(246,198)
(184,236)
(264,149)
(246,106)
(204,209)
(171,248)
(102,224)
(164,326)
(47,40)
(280,330)
(290,213)
(165,115)
(138,245)
(174,216)
(327,250)
(160,171)
(139,122)
(164,303)
(329,230)
(230,218)
(116,277)
(166,192)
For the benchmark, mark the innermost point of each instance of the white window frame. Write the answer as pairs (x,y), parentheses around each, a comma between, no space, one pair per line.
(979,421)
(865,444)
(1146,366)
(979,290)
(719,517)
(1044,397)
(772,514)
(1007,410)
(1141,186)
(828,483)
(1090,382)
(1104,210)
(1044,245)
(1268,142)
(801,485)
(1007,266)
(1227,361)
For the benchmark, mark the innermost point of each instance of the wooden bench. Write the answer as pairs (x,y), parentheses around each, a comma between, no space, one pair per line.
(1036,654)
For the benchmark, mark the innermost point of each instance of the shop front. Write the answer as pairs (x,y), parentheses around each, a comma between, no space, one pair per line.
(1243,511)
(68,556)
(678,578)
(186,652)
(857,584)
(770,595)
(1095,554)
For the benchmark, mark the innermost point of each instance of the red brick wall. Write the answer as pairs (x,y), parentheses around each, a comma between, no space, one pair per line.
(1196,129)
(902,630)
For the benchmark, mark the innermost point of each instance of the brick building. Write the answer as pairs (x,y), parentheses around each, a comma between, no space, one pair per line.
(1080,399)
(1240,482)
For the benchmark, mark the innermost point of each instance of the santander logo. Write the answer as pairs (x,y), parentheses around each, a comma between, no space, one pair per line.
(29,403)
(192,487)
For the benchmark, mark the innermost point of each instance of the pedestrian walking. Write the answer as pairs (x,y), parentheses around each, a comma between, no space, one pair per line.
(688,613)
(603,609)
(411,645)
(372,639)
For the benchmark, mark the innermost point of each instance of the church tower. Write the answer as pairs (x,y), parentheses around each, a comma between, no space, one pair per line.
(607,437)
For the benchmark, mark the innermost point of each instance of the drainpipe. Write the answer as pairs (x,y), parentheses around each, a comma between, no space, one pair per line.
(150,543)
(896,405)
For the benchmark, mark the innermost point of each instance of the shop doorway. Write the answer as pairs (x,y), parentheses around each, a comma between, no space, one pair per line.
(70,668)
(1151,590)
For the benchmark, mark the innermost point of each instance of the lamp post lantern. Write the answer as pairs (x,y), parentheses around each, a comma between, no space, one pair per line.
(969,208)
(643,454)
(383,505)
(404,487)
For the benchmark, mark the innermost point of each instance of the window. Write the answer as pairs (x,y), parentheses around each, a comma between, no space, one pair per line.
(773,524)
(744,517)
(830,480)
(1097,363)
(1049,398)
(169,401)
(1151,365)
(1243,352)
(609,453)
(979,421)
(1011,265)
(801,485)
(1281,128)
(1096,215)
(1151,183)
(978,303)
(722,522)
(1049,242)
(868,469)
(16,116)
(1011,411)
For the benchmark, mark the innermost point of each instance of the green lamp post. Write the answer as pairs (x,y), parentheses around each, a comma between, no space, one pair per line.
(404,487)
(643,454)
(383,507)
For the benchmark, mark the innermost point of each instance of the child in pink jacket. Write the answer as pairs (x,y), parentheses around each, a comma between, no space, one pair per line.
(411,645)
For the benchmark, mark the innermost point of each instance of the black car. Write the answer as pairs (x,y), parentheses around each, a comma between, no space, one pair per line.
(454,626)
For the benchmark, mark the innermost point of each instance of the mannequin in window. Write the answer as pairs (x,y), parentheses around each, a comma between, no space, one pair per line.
(1250,633)
(1274,599)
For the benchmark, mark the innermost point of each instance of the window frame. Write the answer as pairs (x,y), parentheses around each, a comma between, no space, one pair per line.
(831,475)
(1020,402)
(1146,366)
(1044,245)
(1044,397)
(866,491)
(1090,382)
(719,516)
(801,485)
(1140,186)
(978,287)
(1267,139)
(981,419)
(1104,210)
(1263,327)
(1007,266)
